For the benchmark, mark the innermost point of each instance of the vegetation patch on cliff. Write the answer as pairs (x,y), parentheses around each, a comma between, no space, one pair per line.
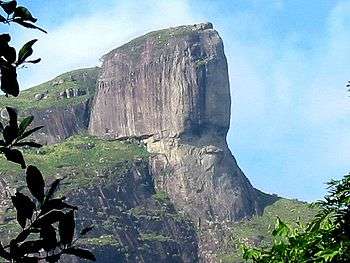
(257,230)
(82,159)
(104,240)
(67,89)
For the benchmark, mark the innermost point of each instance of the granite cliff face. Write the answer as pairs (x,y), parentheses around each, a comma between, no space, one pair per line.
(115,192)
(168,90)
(171,89)
(61,105)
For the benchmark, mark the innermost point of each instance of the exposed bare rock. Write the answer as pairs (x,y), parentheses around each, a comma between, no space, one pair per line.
(169,83)
(71,93)
(60,118)
(61,123)
(172,87)
(39,96)
(57,82)
(4,114)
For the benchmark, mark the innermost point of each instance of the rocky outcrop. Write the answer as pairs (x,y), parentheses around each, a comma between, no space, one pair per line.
(60,123)
(131,223)
(165,84)
(61,105)
(171,89)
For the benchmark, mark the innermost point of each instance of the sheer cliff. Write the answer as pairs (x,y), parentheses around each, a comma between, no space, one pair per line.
(176,192)
(62,105)
(171,89)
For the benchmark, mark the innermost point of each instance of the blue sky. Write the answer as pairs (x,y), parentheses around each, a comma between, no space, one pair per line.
(288,65)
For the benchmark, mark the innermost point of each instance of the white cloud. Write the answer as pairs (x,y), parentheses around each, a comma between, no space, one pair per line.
(81,41)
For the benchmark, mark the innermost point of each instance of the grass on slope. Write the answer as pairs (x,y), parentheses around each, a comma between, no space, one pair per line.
(258,229)
(82,79)
(81,158)
(160,38)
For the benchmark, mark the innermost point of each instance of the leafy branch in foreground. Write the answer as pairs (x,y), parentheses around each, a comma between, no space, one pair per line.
(324,239)
(47,222)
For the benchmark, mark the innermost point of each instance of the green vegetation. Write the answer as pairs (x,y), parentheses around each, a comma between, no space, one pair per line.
(83,80)
(41,217)
(257,230)
(104,240)
(161,36)
(325,239)
(81,158)
(161,197)
(201,62)
(155,237)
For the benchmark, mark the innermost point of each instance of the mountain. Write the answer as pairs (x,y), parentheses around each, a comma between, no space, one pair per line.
(142,142)
(170,88)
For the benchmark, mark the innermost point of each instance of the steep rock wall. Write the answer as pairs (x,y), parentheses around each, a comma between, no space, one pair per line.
(143,228)
(165,84)
(60,123)
(61,105)
(171,88)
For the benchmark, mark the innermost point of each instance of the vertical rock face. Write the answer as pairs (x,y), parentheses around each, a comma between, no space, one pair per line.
(61,105)
(167,84)
(171,89)
(61,123)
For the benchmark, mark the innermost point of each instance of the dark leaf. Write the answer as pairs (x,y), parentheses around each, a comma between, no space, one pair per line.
(24,14)
(9,7)
(49,218)
(52,189)
(30,144)
(1,127)
(24,124)
(13,116)
(57,204)
(14,251)
(9,83)
(2,19)
(86,230)
(26,51)
(66,228)
(29,260)
(48,234)
(79,252)
(27,25)
(21,219)
(10,55)
(22,236)
(10,134)
(35,182)
(53,258)
(33,246)
(14,155)
(34,61)
(5,38)
(3,252)
(2,143)
(24,206)
(27,133)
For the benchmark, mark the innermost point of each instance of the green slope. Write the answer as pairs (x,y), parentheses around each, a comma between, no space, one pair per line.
(257,230)
(82,79)
(80,158)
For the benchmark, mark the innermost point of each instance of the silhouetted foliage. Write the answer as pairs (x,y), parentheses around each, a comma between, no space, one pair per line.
(47,221)
(324,239)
